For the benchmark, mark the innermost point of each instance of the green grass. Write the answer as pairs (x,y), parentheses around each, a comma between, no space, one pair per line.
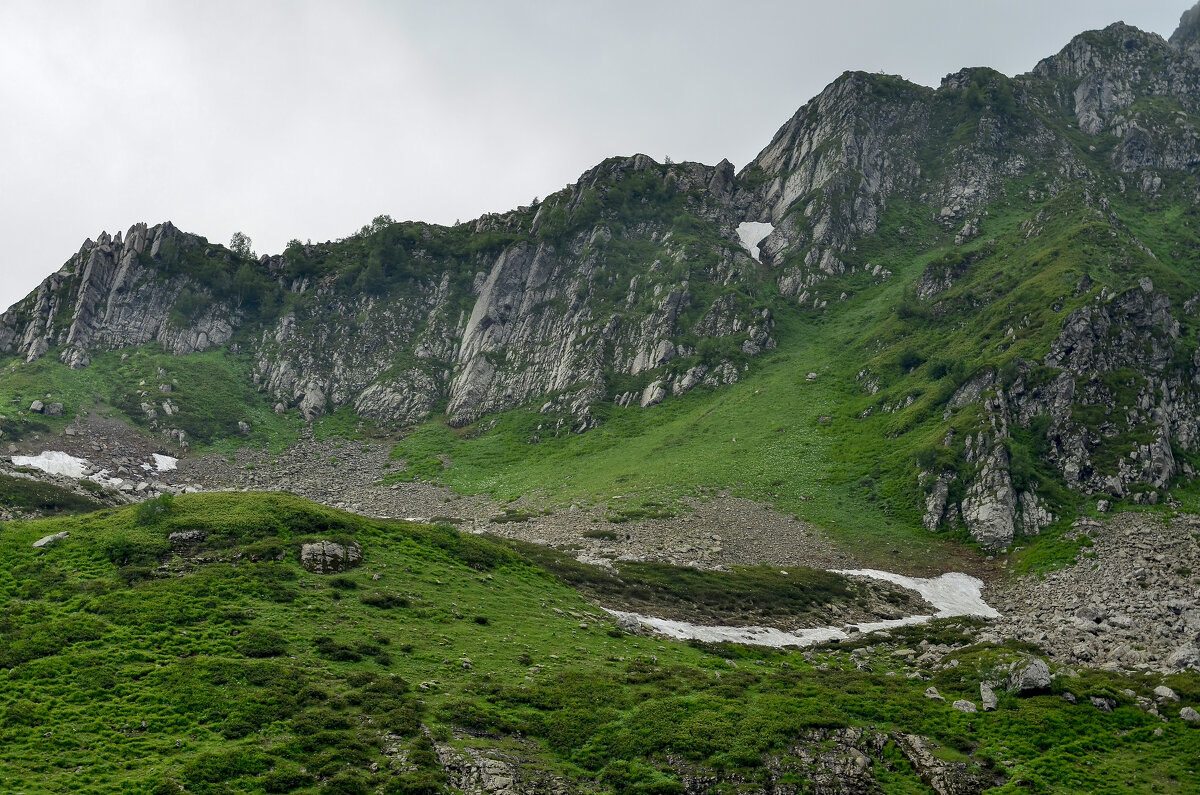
(25,496)
(743,594)
(235,674)
(212,391)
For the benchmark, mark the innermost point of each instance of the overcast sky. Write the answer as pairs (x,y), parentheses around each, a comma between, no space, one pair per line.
(308,119)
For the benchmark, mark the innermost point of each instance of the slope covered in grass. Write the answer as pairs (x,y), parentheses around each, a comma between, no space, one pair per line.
(222,666)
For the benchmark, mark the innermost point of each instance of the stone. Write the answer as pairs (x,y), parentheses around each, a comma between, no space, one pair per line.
(1164,693)
(1069,697)
(1103,506)
(932,693)
(653,394)
(988,697)
(37,407)
(50,540)
(313,404)
(243,427)
(1186,656)
(54,410)
(186,537)
(1102,703)
(1190,715)
(964,706)
(1031,675)
(327,557)
(630,624)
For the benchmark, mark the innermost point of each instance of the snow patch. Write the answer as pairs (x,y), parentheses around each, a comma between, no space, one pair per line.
(952,594)
(752,636)
(55,462)
(751,233)
(164,463)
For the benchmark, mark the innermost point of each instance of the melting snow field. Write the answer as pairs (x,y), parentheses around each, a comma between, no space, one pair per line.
(751,233)
(54,462)
(164,463)
(952,594)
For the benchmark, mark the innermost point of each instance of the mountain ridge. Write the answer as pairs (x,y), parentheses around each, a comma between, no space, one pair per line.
(631,287)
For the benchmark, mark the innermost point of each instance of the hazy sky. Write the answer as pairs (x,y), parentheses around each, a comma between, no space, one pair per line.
(307,119)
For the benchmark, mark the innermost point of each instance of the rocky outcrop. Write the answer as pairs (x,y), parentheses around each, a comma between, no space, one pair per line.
(327,557)
(1122,359)
(112,294)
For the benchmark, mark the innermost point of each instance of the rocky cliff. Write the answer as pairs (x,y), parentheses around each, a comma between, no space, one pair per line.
(1031,238)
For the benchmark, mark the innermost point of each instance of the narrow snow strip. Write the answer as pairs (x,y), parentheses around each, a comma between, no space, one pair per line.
(54,462)
(753,636)
(751,233)
(164,463)
(952,594)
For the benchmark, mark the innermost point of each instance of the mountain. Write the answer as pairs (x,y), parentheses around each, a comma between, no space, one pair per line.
(1017,256)
(944,332)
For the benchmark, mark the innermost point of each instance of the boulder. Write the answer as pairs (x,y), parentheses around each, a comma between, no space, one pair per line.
(54,410)
(37,407)
(1186,656)
(1029,676)
(46,541)
(1190,715)
(1103,704)
(630,624)
(932,692)
(964,706)
(326,557)
(988,697)
(653,394)
(1164,693)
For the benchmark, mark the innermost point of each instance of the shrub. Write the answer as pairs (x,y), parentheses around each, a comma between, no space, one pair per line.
(151,512)
(384,601)
(261,642)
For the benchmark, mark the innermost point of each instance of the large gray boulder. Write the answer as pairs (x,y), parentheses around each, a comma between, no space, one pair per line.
(1031,675)
(1186,656)
(988,697)
(326,557)
(46,541)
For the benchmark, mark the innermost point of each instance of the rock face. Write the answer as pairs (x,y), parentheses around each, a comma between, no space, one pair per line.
(830,762)
(114,293)
(326,557)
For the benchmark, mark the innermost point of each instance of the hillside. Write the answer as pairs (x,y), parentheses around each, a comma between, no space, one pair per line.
(196,645)
(870,467)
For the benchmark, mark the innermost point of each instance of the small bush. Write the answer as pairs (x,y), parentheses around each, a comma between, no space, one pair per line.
(384,601)
(261,642)
(151,512)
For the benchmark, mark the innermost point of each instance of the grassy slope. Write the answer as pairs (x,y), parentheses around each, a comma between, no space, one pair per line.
(235,675)
(829,450)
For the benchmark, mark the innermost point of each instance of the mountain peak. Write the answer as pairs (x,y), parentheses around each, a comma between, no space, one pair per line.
(1187,35)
